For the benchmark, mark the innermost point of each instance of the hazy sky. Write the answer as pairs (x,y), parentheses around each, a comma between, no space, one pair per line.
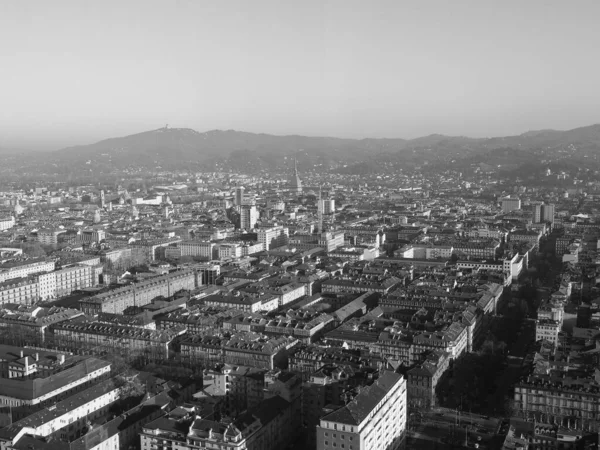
(74,72)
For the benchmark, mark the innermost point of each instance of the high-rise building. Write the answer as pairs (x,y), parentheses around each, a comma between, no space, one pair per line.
(248,217)
(273,237)
(548,213)
(375,419)
(239,196)
(327,206)
(543,213)
(537,213)
(510,204)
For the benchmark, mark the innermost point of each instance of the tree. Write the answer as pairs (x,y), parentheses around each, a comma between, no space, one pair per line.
(33,249)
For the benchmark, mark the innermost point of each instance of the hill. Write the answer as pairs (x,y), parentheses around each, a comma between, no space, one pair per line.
(184,148)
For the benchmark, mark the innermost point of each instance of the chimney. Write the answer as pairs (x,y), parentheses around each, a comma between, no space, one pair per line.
(21,353)
(61,359)
(37,356)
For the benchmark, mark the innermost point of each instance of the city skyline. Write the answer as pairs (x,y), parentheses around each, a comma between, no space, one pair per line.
(76,75)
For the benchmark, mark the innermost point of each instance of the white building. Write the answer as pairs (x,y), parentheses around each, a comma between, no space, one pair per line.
(6,223)
(374,420)
(273,237)
(548,330)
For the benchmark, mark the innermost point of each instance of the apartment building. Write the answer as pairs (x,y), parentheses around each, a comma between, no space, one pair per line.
(36,319)
(20,269)
(273,237)
(242,349)
(37,377)
(7,223)
(197,249)
(23,291)
(267,426)
(65,419)
(375,419)
(547,329)
(138,294)
(98,337)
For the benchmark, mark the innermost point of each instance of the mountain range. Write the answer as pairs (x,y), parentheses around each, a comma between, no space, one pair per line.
(187,148)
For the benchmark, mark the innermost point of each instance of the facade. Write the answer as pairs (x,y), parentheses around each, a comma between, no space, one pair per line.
(267,426)
(19,269)
(98,337)
(197,249)
(49,236)
(248,217)
(23,291)
(242,349)
(138,294)
(65,419)
(547,329)
(7,223)
(40,377)
(327,206)
(273,237)
(374,420)
(147,250)
(423,378)
(510,204)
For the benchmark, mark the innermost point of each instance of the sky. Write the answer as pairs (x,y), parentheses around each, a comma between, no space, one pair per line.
(75,72)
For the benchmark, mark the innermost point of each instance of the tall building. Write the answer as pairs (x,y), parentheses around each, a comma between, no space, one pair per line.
(327,206)
(537,213)
(510,204)
(375,419)
(543,213)
(548,213)
(273,237)
(295,181)
(239,196)
(248,217)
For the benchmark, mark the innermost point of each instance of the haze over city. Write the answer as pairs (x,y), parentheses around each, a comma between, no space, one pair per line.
(78,72)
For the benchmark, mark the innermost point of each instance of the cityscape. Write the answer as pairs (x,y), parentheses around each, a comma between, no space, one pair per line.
(316,225)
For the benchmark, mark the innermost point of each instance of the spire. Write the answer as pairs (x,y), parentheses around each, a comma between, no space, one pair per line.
(295,182)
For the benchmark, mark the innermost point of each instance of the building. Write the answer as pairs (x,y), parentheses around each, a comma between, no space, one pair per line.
(20,269)
(374,419)
(66,419)
(423,378)
(32,322)
(510,204)
(7,223)
(548,213)
(197,249)
(138,294)
(246,349)
(99,337)
(543,213)
(49,236)
(547,329)
(38,377)
(148,250)
(273,237)
(327,206)
(248,217)
(267,426)
(23,291)
(239,196)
